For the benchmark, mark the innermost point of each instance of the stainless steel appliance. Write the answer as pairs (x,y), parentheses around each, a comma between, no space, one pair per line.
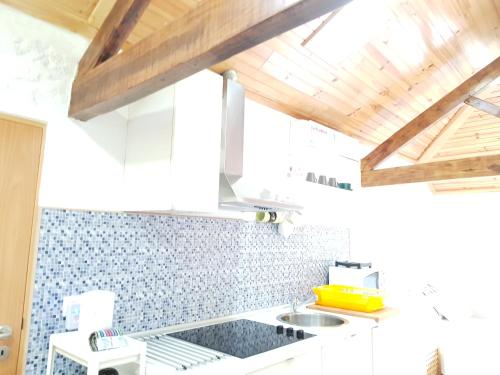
(356,274)
(238,191)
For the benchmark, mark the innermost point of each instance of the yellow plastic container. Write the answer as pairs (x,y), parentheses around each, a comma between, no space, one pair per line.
(349,297)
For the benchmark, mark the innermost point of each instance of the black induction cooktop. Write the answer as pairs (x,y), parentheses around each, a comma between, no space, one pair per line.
(242,338)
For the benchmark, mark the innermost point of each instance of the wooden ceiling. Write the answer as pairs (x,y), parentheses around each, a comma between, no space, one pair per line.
(366,70)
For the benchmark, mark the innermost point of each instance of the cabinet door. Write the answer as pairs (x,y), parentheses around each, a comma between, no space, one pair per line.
(318,149)
(401,347)
(148,179)
(196,143)
(300,155)
(389,350)
(173,147)
(323,150)
(303,364)
(267,140)
(352,356)
(359,353)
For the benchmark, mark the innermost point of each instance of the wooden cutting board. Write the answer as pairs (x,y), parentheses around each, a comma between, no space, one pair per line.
(386,312)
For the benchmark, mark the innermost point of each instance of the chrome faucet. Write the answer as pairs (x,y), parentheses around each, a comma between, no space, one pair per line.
(296,304)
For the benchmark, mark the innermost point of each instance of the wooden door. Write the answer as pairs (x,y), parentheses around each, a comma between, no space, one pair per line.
(20,155)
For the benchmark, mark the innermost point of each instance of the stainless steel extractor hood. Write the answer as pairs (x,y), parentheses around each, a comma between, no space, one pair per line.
(236,190)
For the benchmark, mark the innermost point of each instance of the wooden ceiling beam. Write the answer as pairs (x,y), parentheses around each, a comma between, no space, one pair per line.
(210,33)
(113,33)
(436,111)
(481,166)
(451,127)
(483,105)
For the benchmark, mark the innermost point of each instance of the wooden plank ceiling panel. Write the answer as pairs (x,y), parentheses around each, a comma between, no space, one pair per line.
(50,12)
(481,184)
(479,135)
(367,71)
(480,132)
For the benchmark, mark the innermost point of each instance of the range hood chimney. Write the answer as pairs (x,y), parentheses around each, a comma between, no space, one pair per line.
(237,191)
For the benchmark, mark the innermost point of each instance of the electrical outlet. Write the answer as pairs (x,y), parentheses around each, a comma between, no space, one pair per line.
(71,312)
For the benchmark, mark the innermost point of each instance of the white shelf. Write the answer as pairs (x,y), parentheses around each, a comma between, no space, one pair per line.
(75,346)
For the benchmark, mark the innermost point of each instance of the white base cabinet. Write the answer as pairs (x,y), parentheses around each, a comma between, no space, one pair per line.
(351,356)
(403,346)
(303,364)
(386,350)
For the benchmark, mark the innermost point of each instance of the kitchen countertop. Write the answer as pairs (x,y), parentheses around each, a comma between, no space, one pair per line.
(378,316)
(231,365)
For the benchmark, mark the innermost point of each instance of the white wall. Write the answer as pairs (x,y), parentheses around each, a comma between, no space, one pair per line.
(466,243)
(450,241)
(391,231)
(83,162)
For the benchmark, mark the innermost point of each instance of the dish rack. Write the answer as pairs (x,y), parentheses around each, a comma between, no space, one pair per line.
(349,297)
(164,350)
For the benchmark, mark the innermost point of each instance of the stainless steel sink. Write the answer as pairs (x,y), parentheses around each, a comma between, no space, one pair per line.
(311,319)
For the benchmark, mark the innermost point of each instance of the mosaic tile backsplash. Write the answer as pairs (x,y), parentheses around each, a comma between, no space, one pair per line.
(167,270)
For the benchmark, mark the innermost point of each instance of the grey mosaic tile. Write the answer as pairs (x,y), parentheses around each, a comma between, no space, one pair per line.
(169,270)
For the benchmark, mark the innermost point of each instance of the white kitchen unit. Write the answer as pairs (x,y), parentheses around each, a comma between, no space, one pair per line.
(173,151)
(257,350)
(173,147)
(281,148)
(278,147)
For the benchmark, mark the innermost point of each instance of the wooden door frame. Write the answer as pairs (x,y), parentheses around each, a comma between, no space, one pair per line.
(31,267)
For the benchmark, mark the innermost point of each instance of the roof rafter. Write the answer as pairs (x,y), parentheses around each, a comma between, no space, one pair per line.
(436,111)
(481,166)
(208,34)
(113,33)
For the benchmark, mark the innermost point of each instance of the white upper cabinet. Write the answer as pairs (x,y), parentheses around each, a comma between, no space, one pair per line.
(266,142)
(322,151)
(266,151)
(196,143)
(172,160)
(173,147)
